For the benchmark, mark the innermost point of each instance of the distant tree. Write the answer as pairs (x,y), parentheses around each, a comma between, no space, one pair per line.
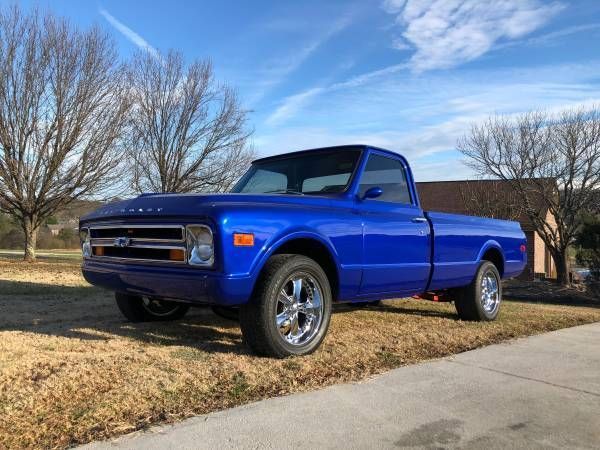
(491,199)
(533,148)
(189,133)
(588,239)
(70,237)
(63,106)
(12,239)
(6,223)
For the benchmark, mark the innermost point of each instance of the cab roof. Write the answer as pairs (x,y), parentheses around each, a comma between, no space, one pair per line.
(321,149)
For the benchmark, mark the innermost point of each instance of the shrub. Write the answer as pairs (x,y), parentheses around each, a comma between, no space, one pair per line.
(588,239)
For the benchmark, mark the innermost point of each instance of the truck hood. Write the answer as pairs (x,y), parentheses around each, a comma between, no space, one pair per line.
(182,205)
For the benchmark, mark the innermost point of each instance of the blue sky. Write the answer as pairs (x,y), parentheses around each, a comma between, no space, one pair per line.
(406,75)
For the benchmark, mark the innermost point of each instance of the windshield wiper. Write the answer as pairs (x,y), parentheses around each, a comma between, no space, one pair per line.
(284,191)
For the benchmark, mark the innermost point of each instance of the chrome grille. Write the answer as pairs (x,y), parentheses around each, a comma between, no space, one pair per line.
(154,233)
(156,243)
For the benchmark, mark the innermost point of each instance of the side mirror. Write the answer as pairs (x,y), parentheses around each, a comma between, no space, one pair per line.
(373,192)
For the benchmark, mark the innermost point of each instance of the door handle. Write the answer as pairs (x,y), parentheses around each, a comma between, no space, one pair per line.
(418,220)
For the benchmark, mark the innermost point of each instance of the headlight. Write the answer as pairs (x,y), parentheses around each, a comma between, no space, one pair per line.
(86,243)
(200,246)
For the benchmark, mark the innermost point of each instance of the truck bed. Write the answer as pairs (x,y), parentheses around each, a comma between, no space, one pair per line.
(460,241)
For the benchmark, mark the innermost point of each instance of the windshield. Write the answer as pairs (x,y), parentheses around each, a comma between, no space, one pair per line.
(309,173)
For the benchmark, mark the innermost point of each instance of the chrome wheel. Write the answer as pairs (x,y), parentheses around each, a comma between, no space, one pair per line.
(490,292)
(299,311)
(159,308)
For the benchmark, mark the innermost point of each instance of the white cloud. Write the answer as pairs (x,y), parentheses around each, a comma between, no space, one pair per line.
(129,33)
(447,33)
(291,105)
(422,116)
(444,33)
(277,70)
(555,35)
(295,60)
(399,43)
(393,6)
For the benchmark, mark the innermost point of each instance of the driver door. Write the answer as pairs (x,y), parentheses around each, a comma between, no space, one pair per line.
(396,234)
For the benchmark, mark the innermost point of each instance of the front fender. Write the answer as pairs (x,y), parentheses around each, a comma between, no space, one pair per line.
(287,236)
(336,229)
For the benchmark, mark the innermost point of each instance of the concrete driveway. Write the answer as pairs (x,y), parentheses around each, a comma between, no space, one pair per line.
(537,392)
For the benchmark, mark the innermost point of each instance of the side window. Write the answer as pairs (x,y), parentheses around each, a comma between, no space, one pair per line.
(389,175)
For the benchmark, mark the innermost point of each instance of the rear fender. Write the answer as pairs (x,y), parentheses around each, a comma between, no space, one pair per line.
(491,245)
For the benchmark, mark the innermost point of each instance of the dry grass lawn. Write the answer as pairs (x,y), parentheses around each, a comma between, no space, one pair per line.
(72,371)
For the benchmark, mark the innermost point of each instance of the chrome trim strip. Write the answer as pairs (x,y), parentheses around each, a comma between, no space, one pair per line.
(133,245)
(133,225)
(143,226)
(137,260)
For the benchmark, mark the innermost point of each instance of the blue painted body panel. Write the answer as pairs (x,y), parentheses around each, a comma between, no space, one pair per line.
(461,241)
(378,250)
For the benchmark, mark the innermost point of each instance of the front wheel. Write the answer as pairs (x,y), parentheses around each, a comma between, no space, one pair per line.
(145,309)
(481,299)
(290,310)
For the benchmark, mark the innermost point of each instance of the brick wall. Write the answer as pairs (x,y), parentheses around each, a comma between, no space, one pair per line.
(528,272)
(539,263)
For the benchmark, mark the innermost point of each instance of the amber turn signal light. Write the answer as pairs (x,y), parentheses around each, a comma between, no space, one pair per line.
(98,251)
(176,254)
(243,239)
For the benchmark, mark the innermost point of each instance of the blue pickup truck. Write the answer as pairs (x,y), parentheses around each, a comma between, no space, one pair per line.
(298,233)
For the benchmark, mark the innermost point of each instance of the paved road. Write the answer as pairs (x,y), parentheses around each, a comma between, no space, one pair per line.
(537,392)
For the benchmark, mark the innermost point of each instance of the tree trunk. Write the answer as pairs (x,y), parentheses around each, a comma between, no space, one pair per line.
(30,239)
(561,259)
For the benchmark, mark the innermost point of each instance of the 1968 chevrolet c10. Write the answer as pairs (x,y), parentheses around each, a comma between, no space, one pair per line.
(298,232)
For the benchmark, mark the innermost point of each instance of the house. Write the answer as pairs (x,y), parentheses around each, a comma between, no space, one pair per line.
(71,224)
(496,199)
(55,228)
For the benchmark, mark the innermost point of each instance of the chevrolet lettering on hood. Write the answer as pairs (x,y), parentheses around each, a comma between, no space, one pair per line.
(114,211)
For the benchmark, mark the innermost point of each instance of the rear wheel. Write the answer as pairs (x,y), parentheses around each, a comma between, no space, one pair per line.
(146,309)
(481,299)
(290,310)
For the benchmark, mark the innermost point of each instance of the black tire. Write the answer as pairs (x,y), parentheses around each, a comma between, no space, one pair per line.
(226,312)
(257,317)
(140,309)
(469,300)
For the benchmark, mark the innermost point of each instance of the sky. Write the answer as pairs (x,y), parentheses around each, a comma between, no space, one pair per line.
(410,76)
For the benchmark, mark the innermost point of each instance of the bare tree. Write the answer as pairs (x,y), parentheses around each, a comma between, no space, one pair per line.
(62,108)
(529,151)
(188,132)
(491,198)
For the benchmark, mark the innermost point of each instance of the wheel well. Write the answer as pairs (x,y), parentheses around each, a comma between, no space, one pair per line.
(317,251)
(494,256)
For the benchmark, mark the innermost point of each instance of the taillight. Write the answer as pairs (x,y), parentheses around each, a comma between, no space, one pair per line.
(523,248)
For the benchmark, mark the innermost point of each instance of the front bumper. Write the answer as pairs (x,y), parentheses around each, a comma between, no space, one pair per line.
(175,283)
